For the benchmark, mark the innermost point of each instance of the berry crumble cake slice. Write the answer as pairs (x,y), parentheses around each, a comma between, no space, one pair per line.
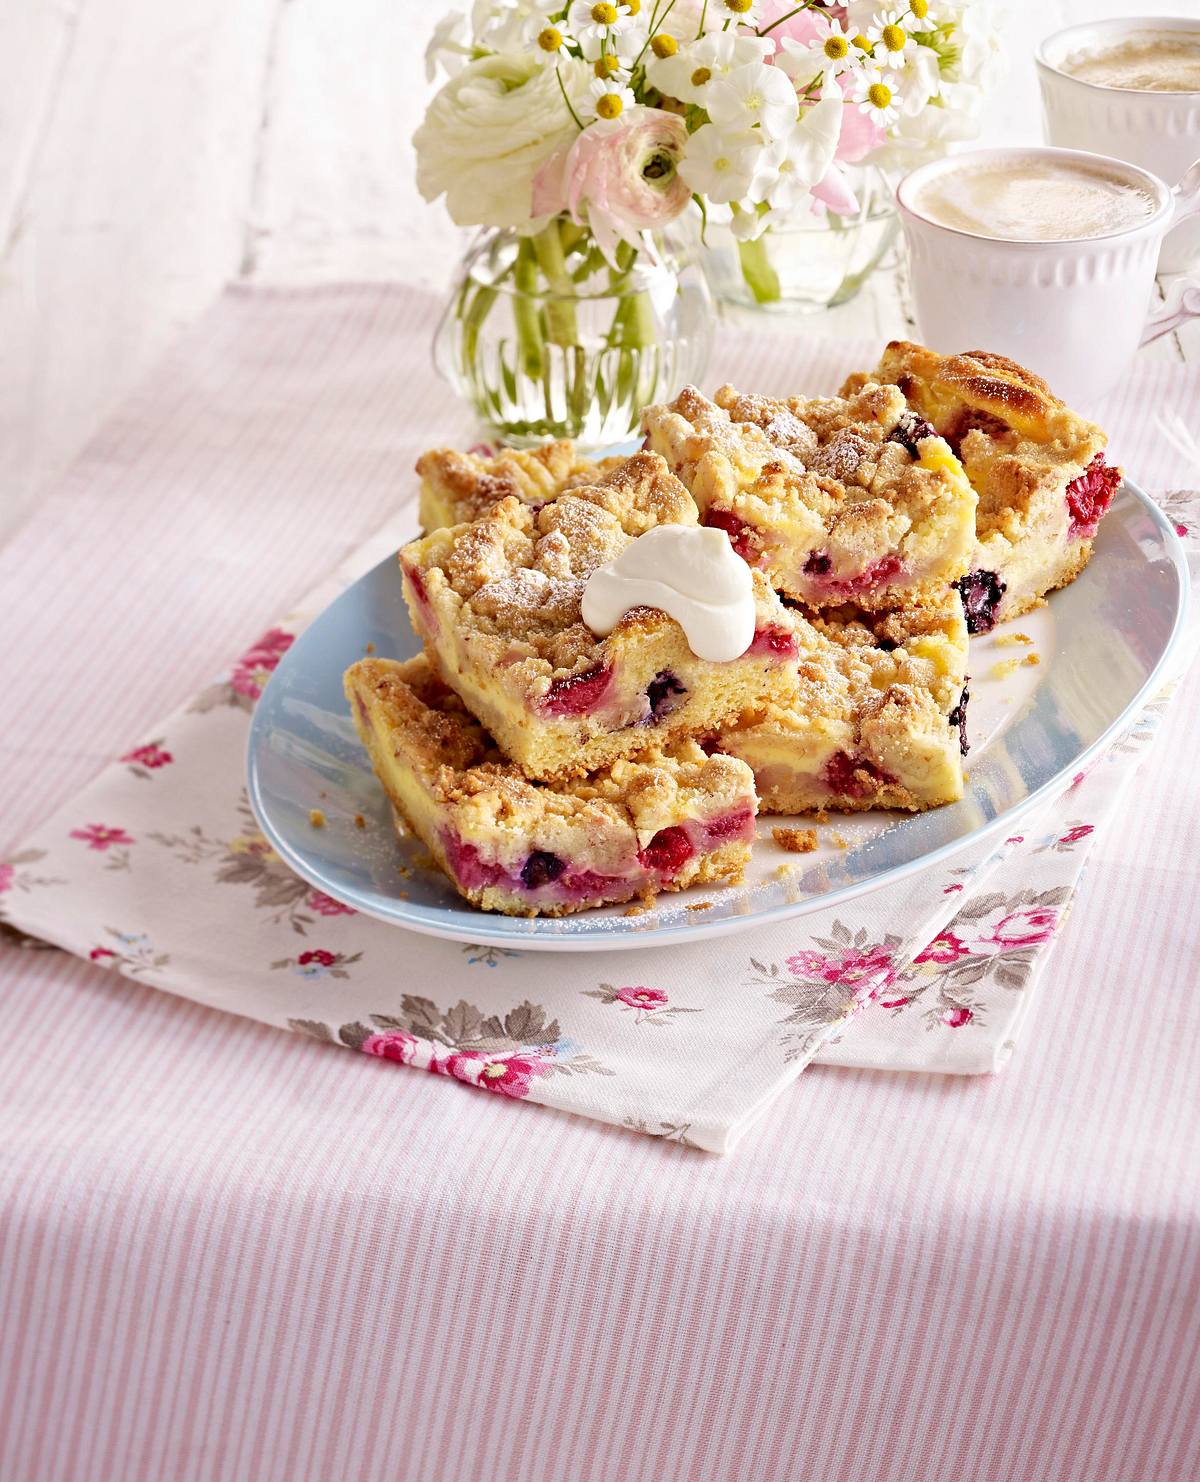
(1037,467)
(662,822)
(457,487)
(498,605)
(879,719)
(836,500)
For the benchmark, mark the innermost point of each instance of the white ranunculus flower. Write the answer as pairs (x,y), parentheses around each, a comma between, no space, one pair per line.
(490,129)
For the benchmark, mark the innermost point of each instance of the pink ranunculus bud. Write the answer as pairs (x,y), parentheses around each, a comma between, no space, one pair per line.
(619,178)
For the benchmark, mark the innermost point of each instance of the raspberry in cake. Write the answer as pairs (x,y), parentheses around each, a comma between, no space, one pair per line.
(497,603)
(668,820)
(457,487)
(879,719)
(1038,469)
(843,499)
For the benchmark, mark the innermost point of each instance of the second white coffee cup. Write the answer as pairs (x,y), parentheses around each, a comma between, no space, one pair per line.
(1073,311)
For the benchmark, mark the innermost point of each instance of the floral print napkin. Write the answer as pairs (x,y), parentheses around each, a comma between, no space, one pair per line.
(158,871)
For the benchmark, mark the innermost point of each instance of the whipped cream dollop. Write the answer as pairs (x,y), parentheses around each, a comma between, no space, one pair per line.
(693,575)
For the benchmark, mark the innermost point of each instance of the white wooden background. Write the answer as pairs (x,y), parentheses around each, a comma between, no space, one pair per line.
(151,150)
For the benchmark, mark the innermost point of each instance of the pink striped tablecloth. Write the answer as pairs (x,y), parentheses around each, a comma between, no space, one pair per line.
(229,1253)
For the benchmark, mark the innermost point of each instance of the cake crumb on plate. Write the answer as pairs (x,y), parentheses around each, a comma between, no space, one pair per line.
(795,840)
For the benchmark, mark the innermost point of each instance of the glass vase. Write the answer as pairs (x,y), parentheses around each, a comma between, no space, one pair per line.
(808,262)
(545,338)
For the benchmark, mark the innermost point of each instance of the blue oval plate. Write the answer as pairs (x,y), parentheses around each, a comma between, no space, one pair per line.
(1102,644)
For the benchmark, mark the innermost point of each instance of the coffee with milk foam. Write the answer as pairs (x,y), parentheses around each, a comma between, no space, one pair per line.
(1034,198)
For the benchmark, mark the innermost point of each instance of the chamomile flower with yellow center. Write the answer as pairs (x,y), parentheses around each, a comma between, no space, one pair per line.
(610,99)
(804,61)
(878,96)
(740,12)
(609,69)
(546,37)
(889,37)
(598,21)
(919,10)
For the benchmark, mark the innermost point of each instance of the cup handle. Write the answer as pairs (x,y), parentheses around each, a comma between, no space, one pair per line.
(1182,303)
(1187,194)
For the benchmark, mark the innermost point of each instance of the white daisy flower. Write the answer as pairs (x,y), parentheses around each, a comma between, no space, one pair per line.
(599,21)
(754,94)
(544,35)
(878,96)
(738,12)
(889,37)
(802,61)
(610,99)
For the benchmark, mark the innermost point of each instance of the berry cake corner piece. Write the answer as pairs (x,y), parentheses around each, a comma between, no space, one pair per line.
(498,605)
(1038,469)
(879,720)
(842,499)
(457,487)
(663,822)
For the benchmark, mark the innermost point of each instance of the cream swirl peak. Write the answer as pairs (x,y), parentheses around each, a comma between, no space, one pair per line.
(687,571)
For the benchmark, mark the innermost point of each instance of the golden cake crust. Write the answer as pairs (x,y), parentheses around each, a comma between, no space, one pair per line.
(458,487)
(834,498)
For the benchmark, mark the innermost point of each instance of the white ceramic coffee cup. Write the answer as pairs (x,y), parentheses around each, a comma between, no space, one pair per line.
(1158,131)
(1072,311)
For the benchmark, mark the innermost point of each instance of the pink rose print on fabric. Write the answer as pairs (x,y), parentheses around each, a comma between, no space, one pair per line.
(648,1005)
(854,966)
(956,1017)
(100,836)
(505,1054)
(325,905)
(1080,831)
(257,664)
(642,998)
(505,1075)
(945,947)
(152,755)
(894,1003)
(7,875)
(1023,928)
(1180,528)
(101,954)
(395,1044)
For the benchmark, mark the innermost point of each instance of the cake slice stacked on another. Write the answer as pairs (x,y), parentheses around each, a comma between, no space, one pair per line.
(498,605)
(843,499)
(663,822)
(1037,467)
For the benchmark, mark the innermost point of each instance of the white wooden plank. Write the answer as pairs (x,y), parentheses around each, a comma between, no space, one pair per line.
(133,219)
(35,42)
(338,195)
